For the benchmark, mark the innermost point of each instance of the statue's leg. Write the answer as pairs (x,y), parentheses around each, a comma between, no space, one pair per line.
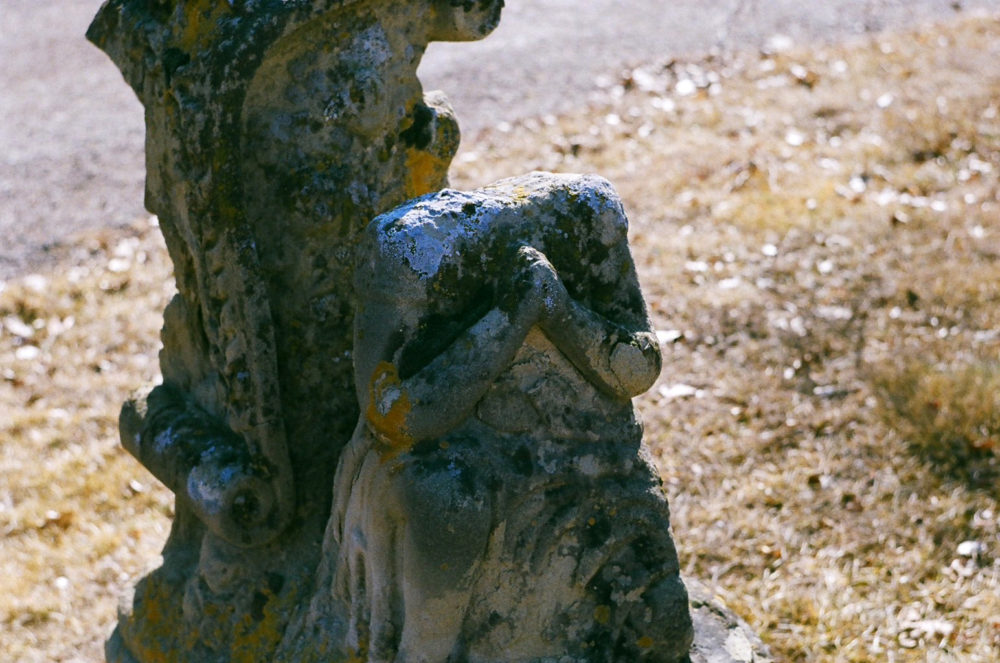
(448,501)
(412,536)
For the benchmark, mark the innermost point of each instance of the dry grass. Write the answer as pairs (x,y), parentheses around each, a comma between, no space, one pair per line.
(950,416)
(818,234)
(79,517)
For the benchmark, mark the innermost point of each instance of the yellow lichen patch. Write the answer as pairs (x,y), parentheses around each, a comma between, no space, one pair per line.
(424,172)
(602,614)
(645,642)
(254,638)
(361,654)
(388,407)
(200,18)
(157,636)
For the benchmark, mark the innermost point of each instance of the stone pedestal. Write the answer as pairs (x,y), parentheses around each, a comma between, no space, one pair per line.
(720,636)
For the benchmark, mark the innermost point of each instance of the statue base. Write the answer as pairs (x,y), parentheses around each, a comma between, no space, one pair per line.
(720,636)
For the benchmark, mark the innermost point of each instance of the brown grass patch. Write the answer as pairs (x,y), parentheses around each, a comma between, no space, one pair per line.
(950,415)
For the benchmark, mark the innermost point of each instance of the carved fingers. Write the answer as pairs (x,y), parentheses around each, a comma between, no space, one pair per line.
(546,293)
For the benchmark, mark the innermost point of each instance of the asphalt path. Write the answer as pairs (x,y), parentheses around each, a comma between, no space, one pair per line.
(71,132)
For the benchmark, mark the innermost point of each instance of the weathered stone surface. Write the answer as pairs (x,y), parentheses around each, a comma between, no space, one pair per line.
(275,130)
(720,636)
(495,503)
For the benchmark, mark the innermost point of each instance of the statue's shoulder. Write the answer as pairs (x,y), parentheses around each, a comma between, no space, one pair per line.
(424,233)
(574,204)
(449,228)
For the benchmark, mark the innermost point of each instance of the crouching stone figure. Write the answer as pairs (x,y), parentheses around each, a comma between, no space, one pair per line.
(495,502)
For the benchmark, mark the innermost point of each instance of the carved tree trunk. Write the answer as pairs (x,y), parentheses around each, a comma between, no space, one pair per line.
(275,130)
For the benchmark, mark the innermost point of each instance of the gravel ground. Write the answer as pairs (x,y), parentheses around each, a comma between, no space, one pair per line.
(71,131)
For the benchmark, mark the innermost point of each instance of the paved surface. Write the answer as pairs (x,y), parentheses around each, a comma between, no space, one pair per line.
(71,132)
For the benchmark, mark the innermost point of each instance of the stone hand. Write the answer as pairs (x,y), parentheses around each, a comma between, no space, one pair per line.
(546,290)
(622,361)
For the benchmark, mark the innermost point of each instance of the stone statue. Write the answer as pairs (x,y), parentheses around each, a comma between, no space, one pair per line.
(411,442)
(493,504)
(276,129)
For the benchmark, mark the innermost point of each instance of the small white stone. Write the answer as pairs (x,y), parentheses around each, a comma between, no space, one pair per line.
(795,138)
(685,87)
(677,391)
(885,100)
(731,283)
(779,43)
(971,548)
(27,353)
(118,265)
(17,327)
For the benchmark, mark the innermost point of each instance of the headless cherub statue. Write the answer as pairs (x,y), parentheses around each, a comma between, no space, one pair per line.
(494,503)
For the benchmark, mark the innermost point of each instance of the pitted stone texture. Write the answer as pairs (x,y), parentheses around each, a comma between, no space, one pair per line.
(276,129)
(495,502)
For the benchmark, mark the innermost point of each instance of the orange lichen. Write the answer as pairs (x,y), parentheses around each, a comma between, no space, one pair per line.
(424,172)
(154,638)
(388,408)
(253,637)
